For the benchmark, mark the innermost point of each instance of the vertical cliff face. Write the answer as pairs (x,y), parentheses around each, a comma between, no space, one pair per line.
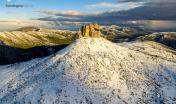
(90,30)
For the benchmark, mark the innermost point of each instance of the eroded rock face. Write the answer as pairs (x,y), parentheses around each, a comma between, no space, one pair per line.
(90,30)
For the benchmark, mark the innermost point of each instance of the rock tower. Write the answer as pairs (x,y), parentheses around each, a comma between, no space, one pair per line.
(90,30)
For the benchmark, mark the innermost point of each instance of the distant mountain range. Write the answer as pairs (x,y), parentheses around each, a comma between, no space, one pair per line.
(127,34)
(166,38)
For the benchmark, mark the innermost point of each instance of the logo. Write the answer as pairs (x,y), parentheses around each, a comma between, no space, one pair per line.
(10,4)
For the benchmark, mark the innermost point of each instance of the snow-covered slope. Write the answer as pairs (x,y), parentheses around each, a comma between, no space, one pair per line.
(93,71)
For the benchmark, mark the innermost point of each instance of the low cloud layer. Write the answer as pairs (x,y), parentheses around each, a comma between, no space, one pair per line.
(154,24)
(8,25)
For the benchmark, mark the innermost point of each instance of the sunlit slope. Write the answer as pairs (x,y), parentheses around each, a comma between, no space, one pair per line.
(94,71)
(28,39)
(166,38)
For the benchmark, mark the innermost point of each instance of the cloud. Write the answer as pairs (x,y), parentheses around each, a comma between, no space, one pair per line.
(154,24)
(151,10)
(14,24)
(81,18)
(96,16)
(65,16)
(131,0)
(116,6)
(58,12)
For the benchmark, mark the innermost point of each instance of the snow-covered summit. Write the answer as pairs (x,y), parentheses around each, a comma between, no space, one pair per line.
(93,71)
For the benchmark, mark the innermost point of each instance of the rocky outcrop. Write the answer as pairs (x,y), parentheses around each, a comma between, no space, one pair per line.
(90,30)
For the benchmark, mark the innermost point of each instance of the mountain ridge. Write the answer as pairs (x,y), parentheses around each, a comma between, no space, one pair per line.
(29,39)
(92,70)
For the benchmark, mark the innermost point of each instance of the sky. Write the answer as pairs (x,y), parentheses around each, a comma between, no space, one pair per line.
(45,5)
(68,14)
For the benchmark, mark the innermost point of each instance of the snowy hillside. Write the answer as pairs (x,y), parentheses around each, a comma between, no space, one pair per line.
(93,71)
